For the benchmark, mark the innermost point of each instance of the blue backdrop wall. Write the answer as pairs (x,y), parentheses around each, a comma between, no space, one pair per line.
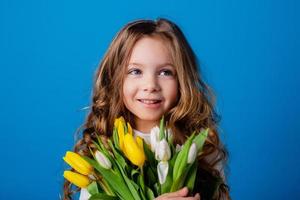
(249,51)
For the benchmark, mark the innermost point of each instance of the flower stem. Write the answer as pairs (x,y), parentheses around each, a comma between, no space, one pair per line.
(104,185)
(142,178)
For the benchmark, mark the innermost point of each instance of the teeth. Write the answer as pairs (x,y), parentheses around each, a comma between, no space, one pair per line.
(149,101)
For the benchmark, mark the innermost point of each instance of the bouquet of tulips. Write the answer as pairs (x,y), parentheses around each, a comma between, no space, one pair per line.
(125,167)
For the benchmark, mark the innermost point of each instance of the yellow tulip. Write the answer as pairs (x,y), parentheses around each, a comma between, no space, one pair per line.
(77,179)
(119,124)
(133,151)
(129,128)
(139,141)
(78,163)
(117,120)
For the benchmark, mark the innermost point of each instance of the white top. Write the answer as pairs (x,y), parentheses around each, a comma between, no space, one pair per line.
(84,194)
(145,136)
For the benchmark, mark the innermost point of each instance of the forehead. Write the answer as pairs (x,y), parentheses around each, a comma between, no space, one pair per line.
(151,50)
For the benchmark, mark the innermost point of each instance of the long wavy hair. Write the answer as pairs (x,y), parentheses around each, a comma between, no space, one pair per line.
(193,111)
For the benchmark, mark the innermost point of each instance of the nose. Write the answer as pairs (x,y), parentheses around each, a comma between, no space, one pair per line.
(151,83)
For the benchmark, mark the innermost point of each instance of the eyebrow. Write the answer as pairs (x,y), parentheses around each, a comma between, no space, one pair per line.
(164,64)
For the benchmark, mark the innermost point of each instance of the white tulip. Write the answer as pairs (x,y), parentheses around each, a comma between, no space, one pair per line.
(162,151)
(154,137)
(192,153)
(102,160)
(170,135)
(162,171)
(178,148)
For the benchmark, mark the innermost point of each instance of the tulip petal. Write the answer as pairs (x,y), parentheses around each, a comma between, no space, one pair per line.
(201,138)
(133,152)
(139,141)
(78,163)
(77,179)
(162,151)
(181,159)
(102,160)
(192,153)
(121,132)
(129,129)
(162,171)
(170,136)
(162,128)
(178,147)
(154,137)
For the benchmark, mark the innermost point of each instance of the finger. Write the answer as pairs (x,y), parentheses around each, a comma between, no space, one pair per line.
(180,193)
(183,198)
(197,196)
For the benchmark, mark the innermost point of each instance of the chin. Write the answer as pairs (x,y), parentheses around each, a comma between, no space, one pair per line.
(150,117)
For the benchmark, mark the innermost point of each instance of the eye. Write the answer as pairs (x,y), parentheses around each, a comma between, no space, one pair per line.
(135,71)
(166,72)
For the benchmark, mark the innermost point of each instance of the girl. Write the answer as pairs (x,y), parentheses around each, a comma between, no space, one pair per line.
(148,71)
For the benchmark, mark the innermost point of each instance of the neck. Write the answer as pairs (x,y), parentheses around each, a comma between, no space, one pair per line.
(145,126)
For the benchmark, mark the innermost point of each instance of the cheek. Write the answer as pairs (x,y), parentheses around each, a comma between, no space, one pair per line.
(125,92)
(128,91)
(173,92)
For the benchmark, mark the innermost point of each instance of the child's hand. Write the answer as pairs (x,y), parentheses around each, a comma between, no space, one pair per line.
(178,195)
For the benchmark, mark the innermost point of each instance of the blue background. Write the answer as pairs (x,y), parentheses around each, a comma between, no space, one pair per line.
(249,51)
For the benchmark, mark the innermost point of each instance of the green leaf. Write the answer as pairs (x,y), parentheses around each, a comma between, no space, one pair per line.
(93,188)
(134,175)
(156,189)
(149,193)
(172,148)
(166,186)
(104,150)
(100,142)
(179,182)
(191,177)
(105,188)
(200,139)
(133,187)
(141,194)
(162,128)
(114,180)
(151,177)
(173,159)
(141,182)
(149,155)
(121,164)
(97,145)
(116,138)
(133,190)
(119,159)
(102,196)
(181,160)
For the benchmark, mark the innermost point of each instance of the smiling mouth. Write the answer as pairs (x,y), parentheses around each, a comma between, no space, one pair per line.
(150,101)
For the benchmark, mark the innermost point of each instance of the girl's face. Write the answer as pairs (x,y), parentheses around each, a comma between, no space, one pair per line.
(150,88)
